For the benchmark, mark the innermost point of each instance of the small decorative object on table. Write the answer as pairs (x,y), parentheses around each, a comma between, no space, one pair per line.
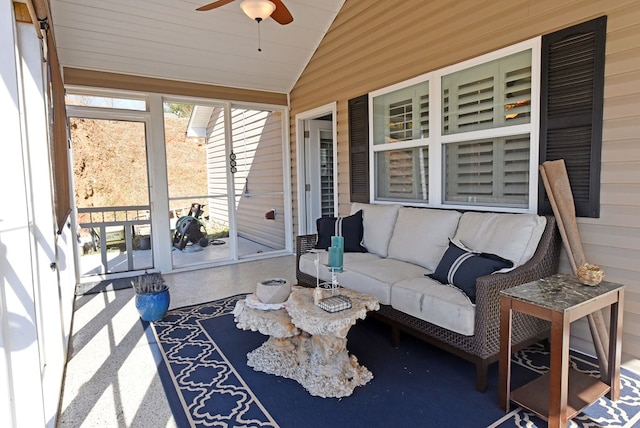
(589,274)
(335,303)
(336,253)
(152,296)
(336,258)
(273,290)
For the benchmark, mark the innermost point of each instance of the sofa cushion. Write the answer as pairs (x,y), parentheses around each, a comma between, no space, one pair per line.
(436,303)
(461,268)
(421,235)
(307,263)
(377,277)
(378,222)
(350,228)
(514,237)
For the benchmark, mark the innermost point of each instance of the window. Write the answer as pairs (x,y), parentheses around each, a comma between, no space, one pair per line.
(400,138)
(106,102)
(483,150)
(488,99)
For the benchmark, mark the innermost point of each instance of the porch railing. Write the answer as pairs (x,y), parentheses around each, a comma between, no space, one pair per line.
(129,218)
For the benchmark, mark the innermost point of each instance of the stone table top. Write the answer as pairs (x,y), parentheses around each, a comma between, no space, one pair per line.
(268,322)
(316,321)
(559,292)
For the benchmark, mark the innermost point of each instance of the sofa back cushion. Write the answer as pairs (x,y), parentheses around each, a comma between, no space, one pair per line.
(514,237)
(378,222)
(421,235)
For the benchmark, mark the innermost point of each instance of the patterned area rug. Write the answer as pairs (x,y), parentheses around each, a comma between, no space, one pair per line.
(209,384)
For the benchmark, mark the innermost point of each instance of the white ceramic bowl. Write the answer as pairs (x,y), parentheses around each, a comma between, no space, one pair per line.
(273,290)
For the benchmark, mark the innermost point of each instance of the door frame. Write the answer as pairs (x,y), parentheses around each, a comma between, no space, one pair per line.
(108,114)
(300,119)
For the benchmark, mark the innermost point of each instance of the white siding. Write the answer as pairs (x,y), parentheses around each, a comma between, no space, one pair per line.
(258,182)
(217,164)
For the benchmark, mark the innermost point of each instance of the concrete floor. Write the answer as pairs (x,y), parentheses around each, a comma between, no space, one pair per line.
(111,378)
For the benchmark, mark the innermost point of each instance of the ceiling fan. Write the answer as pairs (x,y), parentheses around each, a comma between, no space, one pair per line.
(257,9)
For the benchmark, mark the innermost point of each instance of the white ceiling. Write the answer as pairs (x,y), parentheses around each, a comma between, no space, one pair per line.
(170,39)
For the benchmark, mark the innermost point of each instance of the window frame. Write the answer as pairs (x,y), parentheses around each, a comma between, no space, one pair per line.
(435,141)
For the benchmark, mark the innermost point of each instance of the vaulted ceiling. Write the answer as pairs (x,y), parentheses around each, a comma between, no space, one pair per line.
(169,39)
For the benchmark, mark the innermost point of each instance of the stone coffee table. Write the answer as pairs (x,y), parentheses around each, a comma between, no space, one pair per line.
(308,344)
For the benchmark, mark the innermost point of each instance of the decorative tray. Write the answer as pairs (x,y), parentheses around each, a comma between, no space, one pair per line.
(335,303)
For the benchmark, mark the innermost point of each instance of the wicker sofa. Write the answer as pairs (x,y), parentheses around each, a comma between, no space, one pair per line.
(413,303)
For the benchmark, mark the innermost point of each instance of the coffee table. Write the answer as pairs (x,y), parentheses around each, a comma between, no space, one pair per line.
(308,344)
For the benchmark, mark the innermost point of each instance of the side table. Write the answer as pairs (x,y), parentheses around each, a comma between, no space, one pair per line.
(560,299)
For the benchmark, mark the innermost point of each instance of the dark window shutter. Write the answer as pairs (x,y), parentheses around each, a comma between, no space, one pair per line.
(572,89)
(359,148)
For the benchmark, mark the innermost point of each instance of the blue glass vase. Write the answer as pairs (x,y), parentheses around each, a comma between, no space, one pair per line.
(152,306)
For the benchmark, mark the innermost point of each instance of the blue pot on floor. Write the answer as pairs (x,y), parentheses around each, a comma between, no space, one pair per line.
(152,306)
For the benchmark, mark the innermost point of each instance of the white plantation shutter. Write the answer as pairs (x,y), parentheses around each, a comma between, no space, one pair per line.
(515,171)
(487,96)
(517,96)
(402,115)
(468,106)
(326,174)
(494,172)
(407,174)
(400,121)
(469,169)
(424,114)
(488,171)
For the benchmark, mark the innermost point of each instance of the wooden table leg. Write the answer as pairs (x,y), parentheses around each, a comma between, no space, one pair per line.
(559,370)
(615,351)
(504,380)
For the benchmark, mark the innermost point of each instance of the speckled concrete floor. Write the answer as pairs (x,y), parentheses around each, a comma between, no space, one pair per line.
(111,378)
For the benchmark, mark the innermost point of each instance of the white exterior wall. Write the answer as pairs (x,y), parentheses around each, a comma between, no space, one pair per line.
(217,164)
(259,181)
(36,264)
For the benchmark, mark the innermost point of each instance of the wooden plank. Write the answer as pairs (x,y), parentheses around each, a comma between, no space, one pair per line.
(79,77)
(534,395)
(21,13)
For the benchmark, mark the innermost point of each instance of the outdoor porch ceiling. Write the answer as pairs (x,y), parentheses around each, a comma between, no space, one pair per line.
(169,39)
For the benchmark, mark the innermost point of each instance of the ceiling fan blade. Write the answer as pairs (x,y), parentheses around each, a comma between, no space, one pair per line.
(281,15)
(213,5)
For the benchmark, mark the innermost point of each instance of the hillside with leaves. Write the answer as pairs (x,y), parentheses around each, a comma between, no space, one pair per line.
(109,161)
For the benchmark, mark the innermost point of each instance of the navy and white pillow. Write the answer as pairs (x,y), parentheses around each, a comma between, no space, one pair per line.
(461,267)
(350,228)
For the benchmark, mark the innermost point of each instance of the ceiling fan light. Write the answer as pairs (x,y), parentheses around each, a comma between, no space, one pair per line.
(257,9)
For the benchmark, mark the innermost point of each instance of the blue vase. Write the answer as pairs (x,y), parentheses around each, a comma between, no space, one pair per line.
(152,306)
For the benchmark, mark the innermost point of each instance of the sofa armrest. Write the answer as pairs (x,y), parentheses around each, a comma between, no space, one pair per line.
(544,262)
(304,243)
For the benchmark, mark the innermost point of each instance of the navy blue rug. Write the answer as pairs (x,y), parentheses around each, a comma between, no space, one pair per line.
(208,382)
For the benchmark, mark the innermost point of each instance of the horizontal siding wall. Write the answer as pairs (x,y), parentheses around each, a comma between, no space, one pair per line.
(376,43)
(258,182)
(217,164)
(103,79)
